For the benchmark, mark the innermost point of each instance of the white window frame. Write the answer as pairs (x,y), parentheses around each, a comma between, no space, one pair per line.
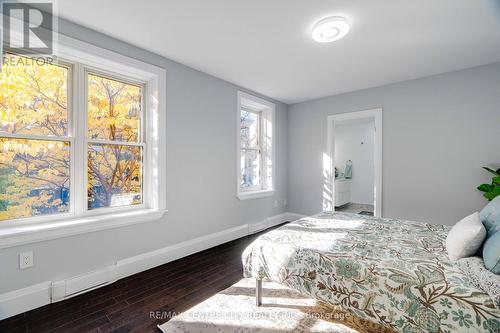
(82,58)
(267,138)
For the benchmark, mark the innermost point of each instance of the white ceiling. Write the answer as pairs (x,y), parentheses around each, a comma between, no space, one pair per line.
(266,45)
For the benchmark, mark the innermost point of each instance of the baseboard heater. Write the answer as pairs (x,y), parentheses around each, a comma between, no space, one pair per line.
(64,289)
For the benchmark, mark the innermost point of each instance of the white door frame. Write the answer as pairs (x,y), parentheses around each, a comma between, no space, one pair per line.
(329,164)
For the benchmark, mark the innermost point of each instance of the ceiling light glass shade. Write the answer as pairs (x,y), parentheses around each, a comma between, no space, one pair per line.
(330,29)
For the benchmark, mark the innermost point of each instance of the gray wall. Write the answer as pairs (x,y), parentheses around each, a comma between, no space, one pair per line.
(437,133)
(201,178)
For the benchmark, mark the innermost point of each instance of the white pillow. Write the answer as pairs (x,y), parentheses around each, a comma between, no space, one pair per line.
(466,237)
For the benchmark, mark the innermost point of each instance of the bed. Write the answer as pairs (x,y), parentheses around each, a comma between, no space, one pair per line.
(392,272)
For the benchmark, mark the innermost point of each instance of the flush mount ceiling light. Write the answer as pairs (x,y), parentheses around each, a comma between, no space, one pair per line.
(330,29)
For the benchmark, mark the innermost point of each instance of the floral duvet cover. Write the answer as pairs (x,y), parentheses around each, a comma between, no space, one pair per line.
(392,272)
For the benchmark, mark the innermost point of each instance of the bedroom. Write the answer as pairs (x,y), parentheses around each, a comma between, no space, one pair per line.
(148,148)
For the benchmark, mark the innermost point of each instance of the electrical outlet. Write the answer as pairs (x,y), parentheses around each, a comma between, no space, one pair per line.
(285,203)
(25,260)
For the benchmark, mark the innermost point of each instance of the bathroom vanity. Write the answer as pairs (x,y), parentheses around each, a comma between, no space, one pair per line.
(342,191)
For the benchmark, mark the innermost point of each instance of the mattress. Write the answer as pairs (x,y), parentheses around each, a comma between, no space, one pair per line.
(389,271)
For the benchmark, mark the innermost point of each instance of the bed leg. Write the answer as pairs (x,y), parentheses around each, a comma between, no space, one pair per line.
(258,292)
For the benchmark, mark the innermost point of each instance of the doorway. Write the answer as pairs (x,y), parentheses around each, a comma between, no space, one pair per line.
(354,160)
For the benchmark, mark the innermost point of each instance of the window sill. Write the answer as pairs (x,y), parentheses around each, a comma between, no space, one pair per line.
(24,234)
(255,194)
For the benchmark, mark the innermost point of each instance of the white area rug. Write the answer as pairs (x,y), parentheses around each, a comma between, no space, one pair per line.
(233,311)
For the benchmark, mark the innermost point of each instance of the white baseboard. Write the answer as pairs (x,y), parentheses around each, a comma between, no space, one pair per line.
(294,216)
(272,221)
(164,255)
(22,300)
(267,223)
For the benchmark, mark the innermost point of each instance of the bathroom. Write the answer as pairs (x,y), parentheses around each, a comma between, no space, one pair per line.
(354,166)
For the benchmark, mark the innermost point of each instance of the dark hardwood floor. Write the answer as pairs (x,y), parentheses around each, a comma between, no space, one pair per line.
(128,304)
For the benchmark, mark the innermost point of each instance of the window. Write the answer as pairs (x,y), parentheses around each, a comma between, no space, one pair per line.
(255,147)
(35,144)
(115,146)
(75,138)
(251,150)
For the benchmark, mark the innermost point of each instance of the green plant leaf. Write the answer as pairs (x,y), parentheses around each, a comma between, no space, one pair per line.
(493,193)
(493,190)
(496,173)
(485,187)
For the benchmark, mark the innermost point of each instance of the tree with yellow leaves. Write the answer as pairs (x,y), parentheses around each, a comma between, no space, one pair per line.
(35,144)
(114,170)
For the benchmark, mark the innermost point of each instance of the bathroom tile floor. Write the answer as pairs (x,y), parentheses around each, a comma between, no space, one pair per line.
(356,208)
